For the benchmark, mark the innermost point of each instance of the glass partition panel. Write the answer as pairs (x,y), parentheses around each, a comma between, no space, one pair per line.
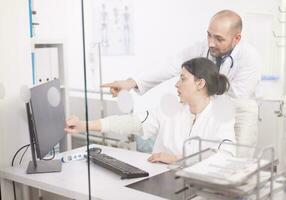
(110,40)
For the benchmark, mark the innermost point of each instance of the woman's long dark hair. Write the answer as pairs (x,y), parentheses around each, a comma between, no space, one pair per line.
(203,68)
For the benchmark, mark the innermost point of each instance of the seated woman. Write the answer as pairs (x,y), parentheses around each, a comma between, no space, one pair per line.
(199,81)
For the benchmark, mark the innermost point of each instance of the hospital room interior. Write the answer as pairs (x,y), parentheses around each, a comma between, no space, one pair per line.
(133,99)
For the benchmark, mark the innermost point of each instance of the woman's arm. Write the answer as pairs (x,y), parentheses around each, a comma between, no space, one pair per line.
(123,124)
(75,125)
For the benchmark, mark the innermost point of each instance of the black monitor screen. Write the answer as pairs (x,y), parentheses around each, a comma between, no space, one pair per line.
(48,116)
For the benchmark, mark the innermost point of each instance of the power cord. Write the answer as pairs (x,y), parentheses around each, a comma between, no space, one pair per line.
(25,146)
(23,154)
(12,164)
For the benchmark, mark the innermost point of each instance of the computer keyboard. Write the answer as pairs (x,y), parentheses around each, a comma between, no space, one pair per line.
(123,169)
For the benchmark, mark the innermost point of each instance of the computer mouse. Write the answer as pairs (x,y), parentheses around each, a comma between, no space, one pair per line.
(94,150)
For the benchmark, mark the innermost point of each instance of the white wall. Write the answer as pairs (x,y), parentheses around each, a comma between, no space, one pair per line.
(15,71)
(163,28)
(61,21)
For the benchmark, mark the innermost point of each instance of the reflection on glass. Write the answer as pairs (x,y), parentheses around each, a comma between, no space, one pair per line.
(125,101)
(25,94)
(166,101)
(2,91)
(54,97)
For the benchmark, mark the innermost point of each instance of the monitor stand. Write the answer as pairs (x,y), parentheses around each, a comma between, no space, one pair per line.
(44,166)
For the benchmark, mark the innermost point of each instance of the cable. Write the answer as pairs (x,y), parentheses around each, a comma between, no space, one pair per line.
(14,157)
(145,117)
(23,155)
(225,140)
(54,154)
(12,164)
(14,190)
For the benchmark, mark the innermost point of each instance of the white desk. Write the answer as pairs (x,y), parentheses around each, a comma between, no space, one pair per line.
(72,181)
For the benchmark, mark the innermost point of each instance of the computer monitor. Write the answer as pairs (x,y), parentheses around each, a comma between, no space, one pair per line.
(46,120)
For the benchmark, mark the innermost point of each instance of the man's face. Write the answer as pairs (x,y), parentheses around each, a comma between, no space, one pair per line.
(221,39)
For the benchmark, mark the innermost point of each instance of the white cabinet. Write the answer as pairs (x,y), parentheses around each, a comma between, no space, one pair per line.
(272,128)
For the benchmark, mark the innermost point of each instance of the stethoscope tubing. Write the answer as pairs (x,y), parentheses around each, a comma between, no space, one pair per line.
(224,58)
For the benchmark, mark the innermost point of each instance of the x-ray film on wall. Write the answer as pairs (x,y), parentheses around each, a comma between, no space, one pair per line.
(112,26)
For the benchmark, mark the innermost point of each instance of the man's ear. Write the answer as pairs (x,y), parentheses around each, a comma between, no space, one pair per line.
(236,39)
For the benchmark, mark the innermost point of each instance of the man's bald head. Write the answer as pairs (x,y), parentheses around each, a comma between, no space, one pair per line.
(229,18)
(224,32)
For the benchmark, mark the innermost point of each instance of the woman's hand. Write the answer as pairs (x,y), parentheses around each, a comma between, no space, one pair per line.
(163,157)
(74,125)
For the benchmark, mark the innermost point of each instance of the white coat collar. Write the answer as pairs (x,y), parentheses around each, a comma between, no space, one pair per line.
(201,115)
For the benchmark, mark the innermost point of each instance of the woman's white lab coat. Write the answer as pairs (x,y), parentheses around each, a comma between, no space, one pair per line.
(172,131)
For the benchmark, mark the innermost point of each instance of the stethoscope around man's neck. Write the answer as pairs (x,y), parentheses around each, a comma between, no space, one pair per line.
(224,58)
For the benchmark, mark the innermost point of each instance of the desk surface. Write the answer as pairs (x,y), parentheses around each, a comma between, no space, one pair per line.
(72,181)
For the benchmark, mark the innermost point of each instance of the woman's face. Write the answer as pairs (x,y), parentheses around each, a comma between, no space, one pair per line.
(186,86)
